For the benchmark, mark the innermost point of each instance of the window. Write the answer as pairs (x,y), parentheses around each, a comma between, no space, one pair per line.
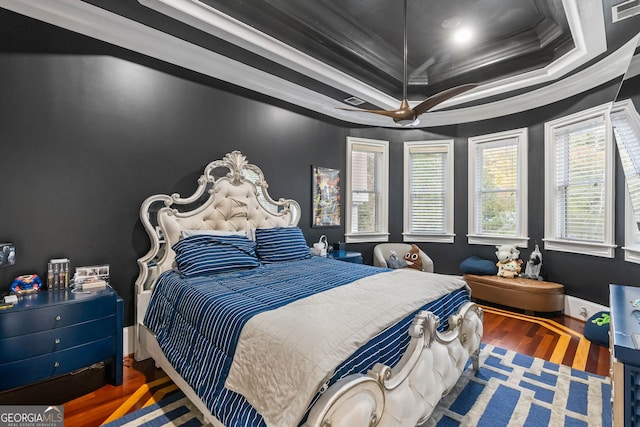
(498,188)
(579,184)
(632,233)
(367,190)
(626,127)
(428,191)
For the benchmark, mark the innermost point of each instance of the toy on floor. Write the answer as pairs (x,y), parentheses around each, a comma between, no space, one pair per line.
(596,328)
(508,264)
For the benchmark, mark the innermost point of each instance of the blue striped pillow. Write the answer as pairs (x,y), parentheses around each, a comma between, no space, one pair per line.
(281,244)
(206,254)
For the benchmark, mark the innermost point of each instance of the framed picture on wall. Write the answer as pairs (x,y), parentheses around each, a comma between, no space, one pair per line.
(7,254)
(326,197)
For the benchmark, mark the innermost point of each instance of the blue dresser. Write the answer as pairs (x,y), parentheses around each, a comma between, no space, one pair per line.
(625,355)
(52,333)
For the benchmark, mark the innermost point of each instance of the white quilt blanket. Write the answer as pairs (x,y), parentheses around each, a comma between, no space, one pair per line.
(285,355)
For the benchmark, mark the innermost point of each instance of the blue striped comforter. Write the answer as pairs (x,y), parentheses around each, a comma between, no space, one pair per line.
(198,320)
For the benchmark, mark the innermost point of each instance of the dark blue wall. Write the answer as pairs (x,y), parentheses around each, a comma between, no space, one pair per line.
(88,131)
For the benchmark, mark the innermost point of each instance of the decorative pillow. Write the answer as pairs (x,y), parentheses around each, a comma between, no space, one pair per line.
(281,244)
(477,265)
(205,254)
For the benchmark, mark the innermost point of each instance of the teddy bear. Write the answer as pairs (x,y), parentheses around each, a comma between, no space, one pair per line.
(413,258)
(508,263)
(394,262)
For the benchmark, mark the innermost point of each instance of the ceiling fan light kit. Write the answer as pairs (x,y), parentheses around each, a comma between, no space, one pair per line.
(408,123)
(405,115)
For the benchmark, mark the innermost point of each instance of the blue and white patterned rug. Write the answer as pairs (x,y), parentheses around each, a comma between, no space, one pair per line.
(510,389)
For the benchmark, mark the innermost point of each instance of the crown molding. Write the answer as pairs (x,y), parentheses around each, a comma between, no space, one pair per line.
(100,24)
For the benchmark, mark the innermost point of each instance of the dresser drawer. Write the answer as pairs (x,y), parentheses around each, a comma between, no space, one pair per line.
(39,343)
(55,316)
(26,371)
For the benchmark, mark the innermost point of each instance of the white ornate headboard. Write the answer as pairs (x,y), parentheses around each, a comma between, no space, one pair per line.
(231,195)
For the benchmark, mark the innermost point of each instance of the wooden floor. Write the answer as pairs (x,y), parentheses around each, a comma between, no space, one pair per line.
(557,339)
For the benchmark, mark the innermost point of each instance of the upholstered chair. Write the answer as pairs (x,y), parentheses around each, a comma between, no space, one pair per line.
(382,252)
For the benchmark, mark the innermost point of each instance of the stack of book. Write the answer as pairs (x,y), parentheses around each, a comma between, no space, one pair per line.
(58,273)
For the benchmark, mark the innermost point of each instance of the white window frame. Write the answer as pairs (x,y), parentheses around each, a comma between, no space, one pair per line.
(438,146)
(521,238)
(631,234)
(381,235)
(551,240)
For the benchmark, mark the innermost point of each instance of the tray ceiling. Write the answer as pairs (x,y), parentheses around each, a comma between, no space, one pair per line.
(523,53)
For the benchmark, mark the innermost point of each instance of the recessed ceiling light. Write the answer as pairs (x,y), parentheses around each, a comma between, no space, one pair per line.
(462,36)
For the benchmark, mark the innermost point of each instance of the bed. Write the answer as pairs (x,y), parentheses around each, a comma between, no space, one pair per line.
(256,332)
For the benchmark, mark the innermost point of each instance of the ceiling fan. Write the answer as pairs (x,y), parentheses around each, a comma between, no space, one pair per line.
(405,115)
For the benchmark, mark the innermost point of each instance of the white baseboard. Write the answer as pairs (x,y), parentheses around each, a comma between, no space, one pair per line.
(581,309)
(128,340)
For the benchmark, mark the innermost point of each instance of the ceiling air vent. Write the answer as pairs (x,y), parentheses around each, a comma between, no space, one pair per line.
(625,9)
(357,101)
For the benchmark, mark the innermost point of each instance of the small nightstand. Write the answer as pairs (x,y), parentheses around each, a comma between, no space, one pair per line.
(52,333)
(355,257)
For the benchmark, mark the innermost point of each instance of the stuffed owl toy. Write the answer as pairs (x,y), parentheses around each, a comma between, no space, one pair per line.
(413,258)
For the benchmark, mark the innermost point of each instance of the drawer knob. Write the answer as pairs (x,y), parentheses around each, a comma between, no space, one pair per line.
(57,341)
(58,317)
(56,364)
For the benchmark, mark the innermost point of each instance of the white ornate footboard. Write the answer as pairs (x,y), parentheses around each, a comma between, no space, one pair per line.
(406,394)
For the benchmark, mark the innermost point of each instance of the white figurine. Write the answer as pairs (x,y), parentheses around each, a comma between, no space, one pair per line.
(534,265)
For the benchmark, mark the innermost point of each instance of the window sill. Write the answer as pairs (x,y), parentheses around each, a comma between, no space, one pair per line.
(584,248)
(518,241)
(366,237)
(631,254)
(433,238)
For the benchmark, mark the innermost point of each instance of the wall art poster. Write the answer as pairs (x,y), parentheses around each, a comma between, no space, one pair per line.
(326,197)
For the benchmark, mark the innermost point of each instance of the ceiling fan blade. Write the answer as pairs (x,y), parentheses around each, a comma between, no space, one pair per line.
(388,113)
(405,115)
(402,114)
(439,97)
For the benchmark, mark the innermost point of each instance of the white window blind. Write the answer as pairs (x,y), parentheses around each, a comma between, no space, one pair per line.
(428,191)
(579,178)
(367,190)
(365,197)
(626,126)
(498,188)
(580,162)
